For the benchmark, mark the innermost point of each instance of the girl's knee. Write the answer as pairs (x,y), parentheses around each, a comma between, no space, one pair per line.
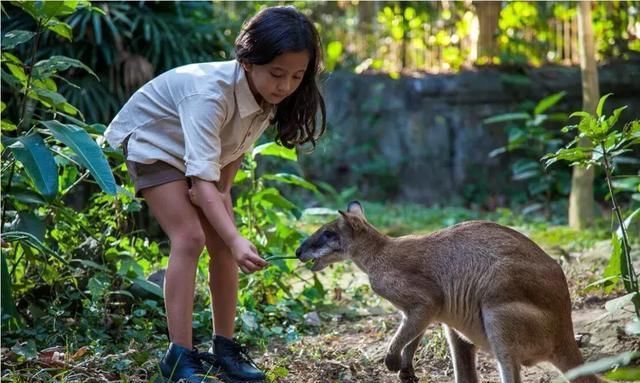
(190,242)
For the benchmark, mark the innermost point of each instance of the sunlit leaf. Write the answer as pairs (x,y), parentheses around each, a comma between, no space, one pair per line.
(627,374)
(548,102)
(273,149)
(54,8)
(613,269)
(7,126)
(601,104)
(60,28)
(602,365)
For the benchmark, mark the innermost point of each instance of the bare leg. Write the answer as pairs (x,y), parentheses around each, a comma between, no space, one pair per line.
(413,324)
(223,281)
(463,355)
(171,206)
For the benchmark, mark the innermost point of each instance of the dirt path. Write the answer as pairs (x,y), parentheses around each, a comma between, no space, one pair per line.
(353,351)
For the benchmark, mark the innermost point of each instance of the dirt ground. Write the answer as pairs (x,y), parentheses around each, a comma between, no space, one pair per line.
(352,350)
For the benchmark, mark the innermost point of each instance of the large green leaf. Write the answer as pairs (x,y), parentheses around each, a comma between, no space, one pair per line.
(48,9)
(38,162)
(12,39)
(30,223)
(62,8)
(60,28)
(601,104)
(273,149)
(291,179)
(548,102)
(624,374)
(613,271)
(89,153)
(507,117)
(602,365)
(30,240)
(149,287)
(55,64)
(9,310)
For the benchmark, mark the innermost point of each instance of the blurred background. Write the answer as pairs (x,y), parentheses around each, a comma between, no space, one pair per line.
(438,112)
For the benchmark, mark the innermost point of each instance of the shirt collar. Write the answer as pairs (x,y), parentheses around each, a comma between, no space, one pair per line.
(245,100)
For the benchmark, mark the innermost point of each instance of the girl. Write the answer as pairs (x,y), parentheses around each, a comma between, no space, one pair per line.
(184,135)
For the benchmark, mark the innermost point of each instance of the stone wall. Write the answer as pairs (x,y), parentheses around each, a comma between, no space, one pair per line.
(421,139)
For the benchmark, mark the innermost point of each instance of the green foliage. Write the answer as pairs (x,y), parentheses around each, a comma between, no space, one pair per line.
(269,305)
(126,44)
(63,266)
(530,135)
(612,367)
(606,144)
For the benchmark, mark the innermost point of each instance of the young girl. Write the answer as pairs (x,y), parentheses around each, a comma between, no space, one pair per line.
(184,135)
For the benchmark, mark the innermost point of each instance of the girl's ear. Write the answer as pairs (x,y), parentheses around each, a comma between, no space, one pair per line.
(247,66)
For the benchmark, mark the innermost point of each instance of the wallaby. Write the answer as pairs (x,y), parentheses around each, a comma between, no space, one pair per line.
(491,287)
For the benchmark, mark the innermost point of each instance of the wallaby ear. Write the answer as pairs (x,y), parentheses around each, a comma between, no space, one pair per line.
(354,207)
(354,220)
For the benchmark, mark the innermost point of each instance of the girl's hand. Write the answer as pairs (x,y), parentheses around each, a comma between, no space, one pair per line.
(246,255)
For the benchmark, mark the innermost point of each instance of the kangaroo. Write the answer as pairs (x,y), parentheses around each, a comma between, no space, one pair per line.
(491,287)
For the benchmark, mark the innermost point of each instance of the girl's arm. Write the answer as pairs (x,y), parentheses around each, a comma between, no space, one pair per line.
(227,175)
(213,203)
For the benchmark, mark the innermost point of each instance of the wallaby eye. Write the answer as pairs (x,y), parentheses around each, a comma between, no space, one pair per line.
(329,235)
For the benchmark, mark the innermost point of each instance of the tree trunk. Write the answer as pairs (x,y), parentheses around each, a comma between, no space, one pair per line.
(488,16)
(581,203)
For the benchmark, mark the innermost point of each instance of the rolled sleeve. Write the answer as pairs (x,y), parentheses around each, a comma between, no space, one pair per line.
(202,117)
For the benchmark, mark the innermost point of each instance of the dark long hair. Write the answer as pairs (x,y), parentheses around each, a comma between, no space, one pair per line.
(272,32)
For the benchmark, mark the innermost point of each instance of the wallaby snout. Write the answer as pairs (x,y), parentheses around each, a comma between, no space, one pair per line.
(492,287)
(327,245)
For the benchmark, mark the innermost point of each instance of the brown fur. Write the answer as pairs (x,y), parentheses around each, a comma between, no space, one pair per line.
(490,286)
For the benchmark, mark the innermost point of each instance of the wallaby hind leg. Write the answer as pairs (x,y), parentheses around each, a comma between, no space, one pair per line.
(463,356)
(500,340)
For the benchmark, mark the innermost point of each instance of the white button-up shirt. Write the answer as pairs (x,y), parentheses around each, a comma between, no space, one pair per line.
(197,118)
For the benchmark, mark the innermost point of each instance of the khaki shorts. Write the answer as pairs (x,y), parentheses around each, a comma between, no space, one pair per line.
(150,175)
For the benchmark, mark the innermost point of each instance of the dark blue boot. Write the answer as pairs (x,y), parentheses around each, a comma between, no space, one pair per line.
(180,363)
(232,362)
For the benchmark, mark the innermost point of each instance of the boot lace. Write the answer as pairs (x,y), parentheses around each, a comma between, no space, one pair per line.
(241,355)
(238,352)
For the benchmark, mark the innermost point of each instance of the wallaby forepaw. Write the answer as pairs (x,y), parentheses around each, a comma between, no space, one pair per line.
(392,361)
(408,376)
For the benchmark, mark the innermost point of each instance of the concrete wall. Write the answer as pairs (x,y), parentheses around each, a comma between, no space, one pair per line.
(422,139)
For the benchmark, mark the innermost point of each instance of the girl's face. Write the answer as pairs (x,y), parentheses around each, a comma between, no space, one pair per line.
(278,79)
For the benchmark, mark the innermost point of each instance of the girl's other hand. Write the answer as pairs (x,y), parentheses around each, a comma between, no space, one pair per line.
(246,255)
